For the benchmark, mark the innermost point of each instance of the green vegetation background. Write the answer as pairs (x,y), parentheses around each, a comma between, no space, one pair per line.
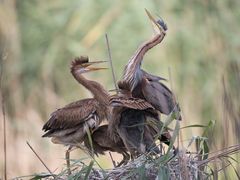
(39,38)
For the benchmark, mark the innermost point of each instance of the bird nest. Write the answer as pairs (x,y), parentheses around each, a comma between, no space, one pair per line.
(183,165)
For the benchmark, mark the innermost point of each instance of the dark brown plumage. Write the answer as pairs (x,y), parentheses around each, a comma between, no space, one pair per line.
(68,125)
(159,95)
(102,142)
(129,124)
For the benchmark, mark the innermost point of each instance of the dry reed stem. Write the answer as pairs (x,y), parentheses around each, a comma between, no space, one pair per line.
(113,162)
(4,117)
(40,159)
(225,152)
(111,64)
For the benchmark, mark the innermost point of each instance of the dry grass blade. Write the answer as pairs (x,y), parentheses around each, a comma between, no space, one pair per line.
(4,140)
(113,162)
(111,64)
(234,169)
(40,159)
(231,150)
(4,117)
(90,141)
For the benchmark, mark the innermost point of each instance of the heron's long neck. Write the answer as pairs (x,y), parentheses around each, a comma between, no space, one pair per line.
(135,62)
(98,91)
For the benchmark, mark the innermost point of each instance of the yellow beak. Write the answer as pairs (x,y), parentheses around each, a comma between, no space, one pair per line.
(93,62)
(156,23)
(95,68)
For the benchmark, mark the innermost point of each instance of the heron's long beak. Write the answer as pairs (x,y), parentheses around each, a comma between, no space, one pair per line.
(161,26)
(95,68)
(93,62)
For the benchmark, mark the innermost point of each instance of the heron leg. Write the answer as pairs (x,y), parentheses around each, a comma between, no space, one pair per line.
(67,155)
(121,162)
(125,159)
(161,149)
(114,163)
(175,150)
(132,157)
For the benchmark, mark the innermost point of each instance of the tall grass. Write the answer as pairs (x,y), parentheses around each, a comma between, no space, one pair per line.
(2,96)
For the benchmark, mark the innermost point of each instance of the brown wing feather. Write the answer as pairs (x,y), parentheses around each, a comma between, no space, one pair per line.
(71,115)
(133,103)
(102,142)
(152,77)
(160,96)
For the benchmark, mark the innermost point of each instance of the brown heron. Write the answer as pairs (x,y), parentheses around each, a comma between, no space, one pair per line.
(69,125)
(144,85)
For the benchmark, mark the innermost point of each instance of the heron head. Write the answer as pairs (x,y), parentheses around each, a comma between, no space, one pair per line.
(160,25)
(82,65)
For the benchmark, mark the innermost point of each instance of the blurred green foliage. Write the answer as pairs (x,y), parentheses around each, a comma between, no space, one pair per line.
(201,47)
(202,41)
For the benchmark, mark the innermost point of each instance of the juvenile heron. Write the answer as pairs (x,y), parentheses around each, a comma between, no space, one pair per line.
(147,86)
(69,125)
